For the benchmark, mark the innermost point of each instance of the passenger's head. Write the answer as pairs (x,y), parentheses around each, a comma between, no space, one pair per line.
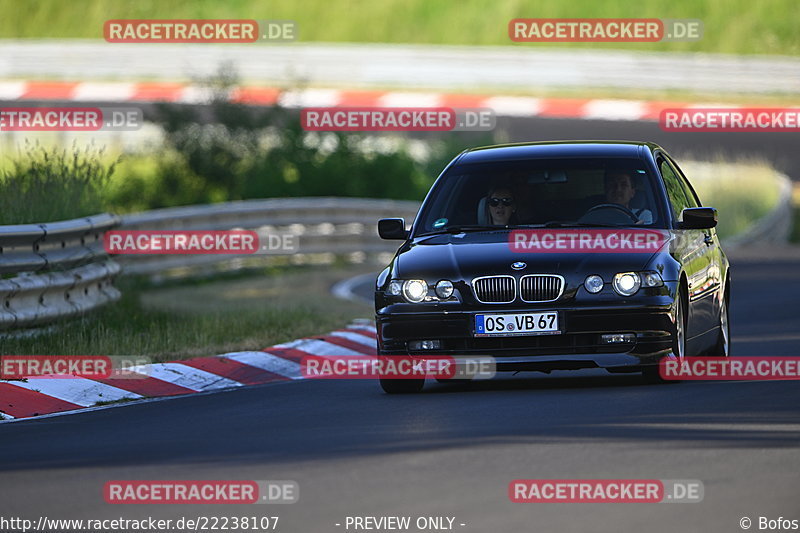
(501,204)
(619,187)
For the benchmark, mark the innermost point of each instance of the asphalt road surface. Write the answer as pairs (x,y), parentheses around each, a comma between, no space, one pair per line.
(452,450)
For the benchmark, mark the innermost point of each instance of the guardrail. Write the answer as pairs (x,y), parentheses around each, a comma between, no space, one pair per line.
(60,269)
(337,226)
(55,270)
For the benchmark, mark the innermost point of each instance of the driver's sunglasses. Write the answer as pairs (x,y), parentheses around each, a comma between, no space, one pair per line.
(494,202)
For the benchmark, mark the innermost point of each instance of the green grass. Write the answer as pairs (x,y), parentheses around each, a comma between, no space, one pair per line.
(730,26)
(45,184)
(203,318)
(741,192)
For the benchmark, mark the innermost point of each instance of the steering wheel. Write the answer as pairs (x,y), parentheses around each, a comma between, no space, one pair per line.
(618,207)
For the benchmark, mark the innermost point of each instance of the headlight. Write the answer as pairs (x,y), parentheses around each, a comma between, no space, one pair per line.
(415,290)
(444,289)
(627,283)
(593,284)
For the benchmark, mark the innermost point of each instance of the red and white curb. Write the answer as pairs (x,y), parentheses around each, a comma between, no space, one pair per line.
(43,396)
(521,106)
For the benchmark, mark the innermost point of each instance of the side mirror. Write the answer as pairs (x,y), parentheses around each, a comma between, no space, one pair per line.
(392,228)
(698,218)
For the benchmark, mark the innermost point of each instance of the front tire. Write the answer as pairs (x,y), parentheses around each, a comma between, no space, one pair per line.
(651,373)
(723,346)
(402,386)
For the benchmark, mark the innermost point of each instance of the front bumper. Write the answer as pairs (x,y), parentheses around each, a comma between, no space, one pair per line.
(578,346)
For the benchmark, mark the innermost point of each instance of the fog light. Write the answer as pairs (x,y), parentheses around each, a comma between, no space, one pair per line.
(425,345)
(593,284)
(617,338)
(444,289)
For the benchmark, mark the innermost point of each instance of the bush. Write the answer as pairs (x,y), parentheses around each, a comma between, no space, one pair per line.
(227,151)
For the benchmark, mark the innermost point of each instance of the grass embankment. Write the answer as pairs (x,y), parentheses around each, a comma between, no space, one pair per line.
(45,184)
(734,26)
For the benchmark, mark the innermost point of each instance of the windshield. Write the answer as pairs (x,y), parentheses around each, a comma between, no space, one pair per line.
(542,193)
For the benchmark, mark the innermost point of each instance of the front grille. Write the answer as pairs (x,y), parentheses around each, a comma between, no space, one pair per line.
(495,289)
(540,287)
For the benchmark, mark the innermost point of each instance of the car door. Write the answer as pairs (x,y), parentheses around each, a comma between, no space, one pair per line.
(713,278)
(694,255)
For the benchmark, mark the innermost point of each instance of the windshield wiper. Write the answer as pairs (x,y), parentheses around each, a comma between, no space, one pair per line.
(463,229)
(582,225)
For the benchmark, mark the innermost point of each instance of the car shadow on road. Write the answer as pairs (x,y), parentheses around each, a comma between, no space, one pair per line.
(326,420)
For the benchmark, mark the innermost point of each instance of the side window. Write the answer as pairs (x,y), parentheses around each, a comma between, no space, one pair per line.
(692,198)
(675,191)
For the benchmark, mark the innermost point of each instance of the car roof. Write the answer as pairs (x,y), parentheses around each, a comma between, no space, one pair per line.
(555,149)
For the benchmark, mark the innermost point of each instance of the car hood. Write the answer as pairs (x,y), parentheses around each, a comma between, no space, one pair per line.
(455,257)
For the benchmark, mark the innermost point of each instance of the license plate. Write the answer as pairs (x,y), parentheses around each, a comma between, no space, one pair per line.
(545,323)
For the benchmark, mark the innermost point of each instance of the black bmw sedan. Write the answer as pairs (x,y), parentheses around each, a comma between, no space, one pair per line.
(556,256)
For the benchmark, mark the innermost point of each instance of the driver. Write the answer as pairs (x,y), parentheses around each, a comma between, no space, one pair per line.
(620,189)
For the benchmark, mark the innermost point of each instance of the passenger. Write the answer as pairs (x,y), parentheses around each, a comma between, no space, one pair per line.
(501,206)
(620,189)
